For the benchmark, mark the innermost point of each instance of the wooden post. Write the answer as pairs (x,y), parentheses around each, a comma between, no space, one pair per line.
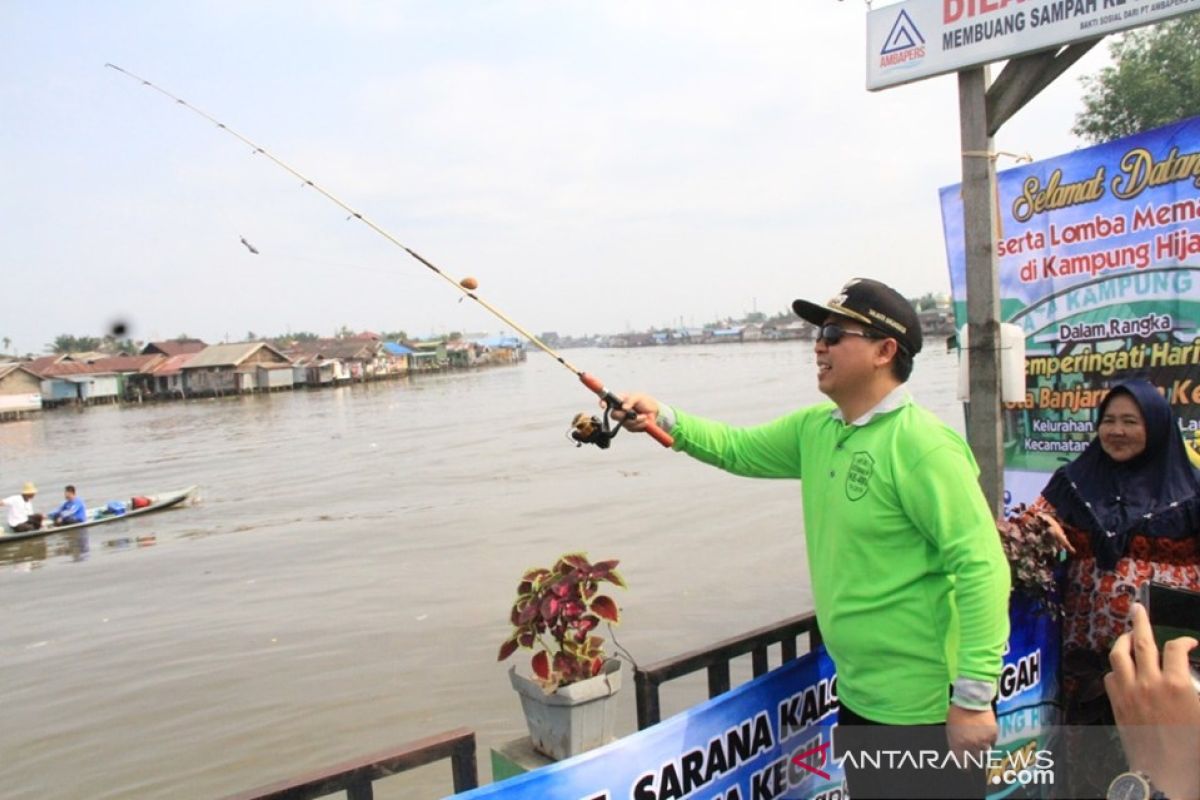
(984,432)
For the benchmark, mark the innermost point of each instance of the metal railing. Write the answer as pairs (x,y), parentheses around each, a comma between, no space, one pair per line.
(715,658)
(355,777)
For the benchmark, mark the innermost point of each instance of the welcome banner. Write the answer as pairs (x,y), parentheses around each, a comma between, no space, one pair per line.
(1099,263)
(746,744)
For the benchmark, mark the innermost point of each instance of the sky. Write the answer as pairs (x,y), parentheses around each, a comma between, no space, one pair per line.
(597,166)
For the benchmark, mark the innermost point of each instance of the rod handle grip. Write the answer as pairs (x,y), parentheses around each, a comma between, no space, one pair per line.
(659,435)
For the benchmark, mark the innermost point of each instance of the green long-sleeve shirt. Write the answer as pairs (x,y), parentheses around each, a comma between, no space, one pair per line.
(908,575)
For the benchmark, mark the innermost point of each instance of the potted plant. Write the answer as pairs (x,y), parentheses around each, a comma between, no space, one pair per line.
(1033,555)
(569,700)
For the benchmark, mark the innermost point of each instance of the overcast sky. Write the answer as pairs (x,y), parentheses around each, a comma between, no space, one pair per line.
(598,166)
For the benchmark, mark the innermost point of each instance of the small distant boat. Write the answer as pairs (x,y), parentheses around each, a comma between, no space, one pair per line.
(99,516)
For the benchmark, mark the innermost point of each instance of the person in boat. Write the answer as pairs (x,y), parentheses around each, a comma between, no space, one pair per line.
(1157,711)
(19,510)
(1126,511)
(909,578)
(71,512)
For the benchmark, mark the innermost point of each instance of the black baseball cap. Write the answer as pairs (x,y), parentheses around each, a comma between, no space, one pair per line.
(874,304)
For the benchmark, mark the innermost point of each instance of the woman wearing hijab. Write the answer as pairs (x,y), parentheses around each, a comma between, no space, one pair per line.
(1127,510)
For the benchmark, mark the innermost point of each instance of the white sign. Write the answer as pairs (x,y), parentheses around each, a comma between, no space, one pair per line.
(917,39)
(20,402)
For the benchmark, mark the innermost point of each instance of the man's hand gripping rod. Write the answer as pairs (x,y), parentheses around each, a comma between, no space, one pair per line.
(611,401)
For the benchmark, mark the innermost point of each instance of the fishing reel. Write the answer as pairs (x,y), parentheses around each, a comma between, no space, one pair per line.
(600,432)
(593,430)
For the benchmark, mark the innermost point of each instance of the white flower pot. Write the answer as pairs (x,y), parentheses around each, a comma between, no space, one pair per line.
(573,719)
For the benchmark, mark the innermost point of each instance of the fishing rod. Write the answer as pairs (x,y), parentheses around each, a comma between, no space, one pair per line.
(584,429)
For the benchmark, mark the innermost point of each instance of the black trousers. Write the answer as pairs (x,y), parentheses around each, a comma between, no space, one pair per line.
(894,761)
(34,523)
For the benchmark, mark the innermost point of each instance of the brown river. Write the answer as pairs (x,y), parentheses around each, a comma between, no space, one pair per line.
(343,583)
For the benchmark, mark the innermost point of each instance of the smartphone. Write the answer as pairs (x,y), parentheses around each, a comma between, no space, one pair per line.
(1173,613)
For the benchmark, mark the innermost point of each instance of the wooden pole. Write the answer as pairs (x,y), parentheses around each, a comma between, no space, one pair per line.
(984,432)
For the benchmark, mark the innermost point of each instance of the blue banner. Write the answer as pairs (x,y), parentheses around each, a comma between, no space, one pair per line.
(772,738)
(1099,264)
(735,746)
(1028,706)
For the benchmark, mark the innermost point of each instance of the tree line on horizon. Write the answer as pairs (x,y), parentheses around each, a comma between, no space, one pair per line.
(68,343)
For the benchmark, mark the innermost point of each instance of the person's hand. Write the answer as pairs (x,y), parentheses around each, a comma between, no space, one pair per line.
(1056,531)
(1157,709)
(635,411)
(969,731)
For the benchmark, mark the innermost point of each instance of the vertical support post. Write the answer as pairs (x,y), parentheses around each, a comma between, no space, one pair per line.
(649,712)
(463,768)
(984,432)
(718,678)
(758,657)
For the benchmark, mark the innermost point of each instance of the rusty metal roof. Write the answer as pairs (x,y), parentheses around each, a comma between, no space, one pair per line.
(38,365)
(172,365)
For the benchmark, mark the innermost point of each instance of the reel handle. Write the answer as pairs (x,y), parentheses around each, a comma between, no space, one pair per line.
(595,385)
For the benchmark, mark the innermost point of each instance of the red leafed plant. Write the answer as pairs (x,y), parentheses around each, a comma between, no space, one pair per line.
(556,612)
(1032,553)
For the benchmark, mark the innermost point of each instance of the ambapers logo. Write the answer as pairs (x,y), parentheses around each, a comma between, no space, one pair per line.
(904,44)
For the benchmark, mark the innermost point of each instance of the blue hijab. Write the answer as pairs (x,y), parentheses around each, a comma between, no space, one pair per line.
(1156,493)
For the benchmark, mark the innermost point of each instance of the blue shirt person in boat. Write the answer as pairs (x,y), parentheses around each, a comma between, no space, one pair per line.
(19,510)
(72,510)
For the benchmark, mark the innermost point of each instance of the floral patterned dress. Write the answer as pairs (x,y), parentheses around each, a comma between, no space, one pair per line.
(1097,606)
(1098,603)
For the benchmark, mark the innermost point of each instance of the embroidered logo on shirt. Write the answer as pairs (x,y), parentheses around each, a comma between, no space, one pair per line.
(862,466)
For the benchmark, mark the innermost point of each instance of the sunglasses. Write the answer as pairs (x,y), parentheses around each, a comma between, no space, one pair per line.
(832,334)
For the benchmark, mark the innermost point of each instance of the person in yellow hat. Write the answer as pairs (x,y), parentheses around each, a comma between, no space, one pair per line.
(20,517)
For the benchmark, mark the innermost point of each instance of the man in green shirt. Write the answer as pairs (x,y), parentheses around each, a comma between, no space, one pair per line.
(908,575)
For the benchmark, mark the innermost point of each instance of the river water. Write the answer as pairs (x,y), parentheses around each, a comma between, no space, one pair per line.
(343,583)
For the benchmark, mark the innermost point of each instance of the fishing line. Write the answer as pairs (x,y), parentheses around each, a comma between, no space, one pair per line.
(600,435)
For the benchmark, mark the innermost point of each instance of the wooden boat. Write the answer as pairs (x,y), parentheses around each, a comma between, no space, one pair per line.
(96,516)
